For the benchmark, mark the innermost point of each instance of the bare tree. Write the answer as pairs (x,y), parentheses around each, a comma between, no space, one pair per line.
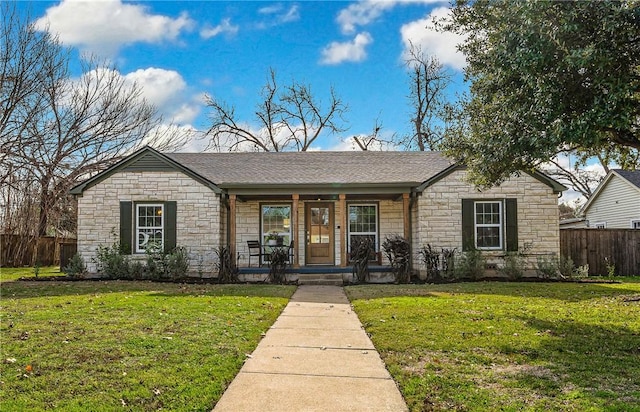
(374,140)
(289,118)
(56,130)
(428,81)
(569,166)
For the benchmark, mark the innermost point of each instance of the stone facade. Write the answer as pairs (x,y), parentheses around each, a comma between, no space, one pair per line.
(438,215)
(199,214)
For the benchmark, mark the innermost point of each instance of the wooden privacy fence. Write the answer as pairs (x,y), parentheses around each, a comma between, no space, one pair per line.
(594,247)
(18,250)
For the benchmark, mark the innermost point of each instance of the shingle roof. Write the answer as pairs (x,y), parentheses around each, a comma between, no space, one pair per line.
(284,168)
(632,176)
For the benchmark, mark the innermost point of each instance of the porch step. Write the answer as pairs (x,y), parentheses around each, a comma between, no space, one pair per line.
(320,279)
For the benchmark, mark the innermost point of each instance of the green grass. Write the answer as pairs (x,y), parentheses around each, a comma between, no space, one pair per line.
(10,274)
(508,346)
(110,345)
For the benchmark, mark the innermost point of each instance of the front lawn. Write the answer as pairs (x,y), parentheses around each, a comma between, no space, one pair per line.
(508,346)
(9,274)
(112,345)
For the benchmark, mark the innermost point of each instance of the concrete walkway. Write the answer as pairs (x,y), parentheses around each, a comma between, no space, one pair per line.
(315,357)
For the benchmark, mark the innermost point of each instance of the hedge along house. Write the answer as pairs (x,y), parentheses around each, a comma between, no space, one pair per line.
(320,202)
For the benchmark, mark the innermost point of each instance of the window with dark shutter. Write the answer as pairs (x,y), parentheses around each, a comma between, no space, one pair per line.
(490,224)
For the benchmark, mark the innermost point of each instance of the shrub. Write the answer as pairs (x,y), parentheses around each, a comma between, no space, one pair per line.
(566,267)
(431,259)
(448,263)
(177,263)
(361,250)
(547,267)
(76,267)
(112,262)
(470,264)
(226,266)
(398,252)
(277,266)
(581,271)
(513,266)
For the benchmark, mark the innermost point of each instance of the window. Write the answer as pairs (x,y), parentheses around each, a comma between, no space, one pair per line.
(600,225)
(145,224)
(363,223)
(149,227)
(488,225)
(276,219)
(635,224)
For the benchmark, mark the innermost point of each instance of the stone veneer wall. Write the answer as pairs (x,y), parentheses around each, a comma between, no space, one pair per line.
(198,213)
(248,226)
(439,215)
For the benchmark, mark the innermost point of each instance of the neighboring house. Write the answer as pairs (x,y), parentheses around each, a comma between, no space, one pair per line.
(573,223)
(616,202)
(320,201)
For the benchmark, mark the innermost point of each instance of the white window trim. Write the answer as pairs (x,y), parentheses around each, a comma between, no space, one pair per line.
(634,222)
(264,234)
(600,225)
(136,217)
(500,225)
(376,233)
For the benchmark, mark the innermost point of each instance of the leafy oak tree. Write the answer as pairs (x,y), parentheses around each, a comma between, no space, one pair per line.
(547,77)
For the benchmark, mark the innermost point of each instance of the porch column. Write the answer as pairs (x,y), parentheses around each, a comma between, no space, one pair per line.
(294,229)
(406,217)
(343,230)
(232,226)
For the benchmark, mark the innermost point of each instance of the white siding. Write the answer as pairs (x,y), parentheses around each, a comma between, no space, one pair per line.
(617,203)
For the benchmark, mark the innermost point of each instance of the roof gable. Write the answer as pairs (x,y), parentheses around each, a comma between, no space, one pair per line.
(145,159)
(552,183)
(630,177)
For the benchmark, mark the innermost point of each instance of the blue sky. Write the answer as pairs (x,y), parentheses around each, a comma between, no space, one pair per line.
(180,51)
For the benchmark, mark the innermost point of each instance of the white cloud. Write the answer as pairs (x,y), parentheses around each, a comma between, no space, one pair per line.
(102,27)
(158,85)
(167,91)
(350,51)
(225,27)
(278,14)
(365,12)
(443,45)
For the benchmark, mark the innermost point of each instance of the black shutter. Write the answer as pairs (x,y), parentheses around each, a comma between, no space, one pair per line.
(468,238)
(511,225)
(126,227)
(170,217)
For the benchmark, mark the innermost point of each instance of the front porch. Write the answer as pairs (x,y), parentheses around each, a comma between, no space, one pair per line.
(318,275)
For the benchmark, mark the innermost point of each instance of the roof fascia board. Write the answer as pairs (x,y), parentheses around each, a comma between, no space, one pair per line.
(536,174)
(92,181)
(597,192)
(601,187)
(627,181)
(254,190)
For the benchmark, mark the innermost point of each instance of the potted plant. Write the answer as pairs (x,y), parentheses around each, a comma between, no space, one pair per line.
(272,238)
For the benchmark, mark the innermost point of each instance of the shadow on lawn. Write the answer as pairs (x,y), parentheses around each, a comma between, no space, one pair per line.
(25,289)
(568,292)
(601,364)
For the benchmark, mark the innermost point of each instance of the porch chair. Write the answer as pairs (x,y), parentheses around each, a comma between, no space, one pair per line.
(290,253)
(255,249)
